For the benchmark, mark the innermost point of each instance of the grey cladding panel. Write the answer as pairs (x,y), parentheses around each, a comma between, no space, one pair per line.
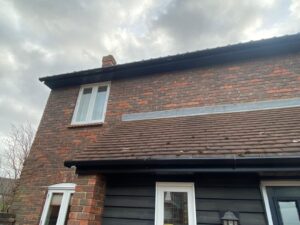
(227,193)
(252,219)
(131,200)
(129,213)
(114,221)
(131,191)
(233,205)
(208,217)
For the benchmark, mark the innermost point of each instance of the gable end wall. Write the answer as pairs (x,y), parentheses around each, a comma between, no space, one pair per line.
(55,142)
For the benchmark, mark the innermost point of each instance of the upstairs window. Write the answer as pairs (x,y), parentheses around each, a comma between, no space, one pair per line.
(91,104)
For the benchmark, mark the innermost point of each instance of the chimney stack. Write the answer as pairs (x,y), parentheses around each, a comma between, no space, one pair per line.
(108,60)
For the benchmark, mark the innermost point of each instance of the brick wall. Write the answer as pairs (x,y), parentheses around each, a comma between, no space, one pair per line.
(273,78)
(87,202)
(254,80)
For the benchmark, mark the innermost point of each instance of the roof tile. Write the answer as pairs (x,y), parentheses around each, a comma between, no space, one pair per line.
(256,133)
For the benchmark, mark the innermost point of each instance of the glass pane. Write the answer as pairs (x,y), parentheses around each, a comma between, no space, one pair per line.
(84,105)
(175,208)
(53,211)
(99,103)
(289,213)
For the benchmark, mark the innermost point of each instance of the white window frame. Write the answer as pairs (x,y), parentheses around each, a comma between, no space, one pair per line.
(67,189)
(162,187)
(94,87)
(274,183)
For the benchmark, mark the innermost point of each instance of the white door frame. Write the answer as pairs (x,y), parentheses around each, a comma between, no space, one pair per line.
(162,187)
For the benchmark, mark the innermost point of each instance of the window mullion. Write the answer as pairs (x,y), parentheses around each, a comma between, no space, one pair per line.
(191,211)
(92,104)
(160,207)
(63,208)
(46,208)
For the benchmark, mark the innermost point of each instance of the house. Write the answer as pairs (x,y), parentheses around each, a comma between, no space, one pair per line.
(189,139)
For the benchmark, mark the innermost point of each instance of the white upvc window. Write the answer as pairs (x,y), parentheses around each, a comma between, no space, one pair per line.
(91,103)
(175,203)
(282,201)
(57,204)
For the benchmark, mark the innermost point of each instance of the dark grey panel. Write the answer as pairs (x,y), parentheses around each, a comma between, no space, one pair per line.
(131,190)
(252,219)
(130,201)
(114,221)
(208,217)
(125,180)
(129,213)
(233,205)
(204,217)
(232,181)
(207,224)
(227,193)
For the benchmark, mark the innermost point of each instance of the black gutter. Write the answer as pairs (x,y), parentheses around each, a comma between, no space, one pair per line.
(208,57)
(234,164)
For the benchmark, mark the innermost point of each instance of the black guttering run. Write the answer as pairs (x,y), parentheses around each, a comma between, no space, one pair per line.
(243,51)
(233,164)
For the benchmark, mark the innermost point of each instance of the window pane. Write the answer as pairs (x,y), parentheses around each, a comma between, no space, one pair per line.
(84,105)
(175,208)
(99,103)
(289,213)
(54,209)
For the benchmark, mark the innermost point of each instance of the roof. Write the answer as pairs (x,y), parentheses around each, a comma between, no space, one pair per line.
(240,134)
(207,57)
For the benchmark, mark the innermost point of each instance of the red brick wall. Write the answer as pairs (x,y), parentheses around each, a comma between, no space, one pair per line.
(274,78)
(255,80)
(87,202)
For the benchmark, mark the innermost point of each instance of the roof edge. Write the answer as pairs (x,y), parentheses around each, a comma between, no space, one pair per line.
(271,46)
(230,164)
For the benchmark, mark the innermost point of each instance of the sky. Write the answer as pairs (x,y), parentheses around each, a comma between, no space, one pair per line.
(46,37)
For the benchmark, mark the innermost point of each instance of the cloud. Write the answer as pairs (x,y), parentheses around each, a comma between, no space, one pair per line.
(39,38)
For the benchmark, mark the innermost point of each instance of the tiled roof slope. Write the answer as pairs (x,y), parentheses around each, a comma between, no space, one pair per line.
(256,133)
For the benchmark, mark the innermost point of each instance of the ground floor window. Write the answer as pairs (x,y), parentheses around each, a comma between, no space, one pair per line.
(57,204)
(282,201)
(175,204)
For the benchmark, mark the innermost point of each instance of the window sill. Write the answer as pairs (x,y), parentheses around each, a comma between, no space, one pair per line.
(86,125)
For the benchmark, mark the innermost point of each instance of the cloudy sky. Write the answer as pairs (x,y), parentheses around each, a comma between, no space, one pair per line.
(46,37)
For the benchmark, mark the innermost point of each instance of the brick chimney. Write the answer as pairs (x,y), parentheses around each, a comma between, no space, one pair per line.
(108,60)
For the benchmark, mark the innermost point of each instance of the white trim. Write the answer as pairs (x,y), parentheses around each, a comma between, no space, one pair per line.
(274,183)
(161,187)
(64,188)
(217,109)
(94,87)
